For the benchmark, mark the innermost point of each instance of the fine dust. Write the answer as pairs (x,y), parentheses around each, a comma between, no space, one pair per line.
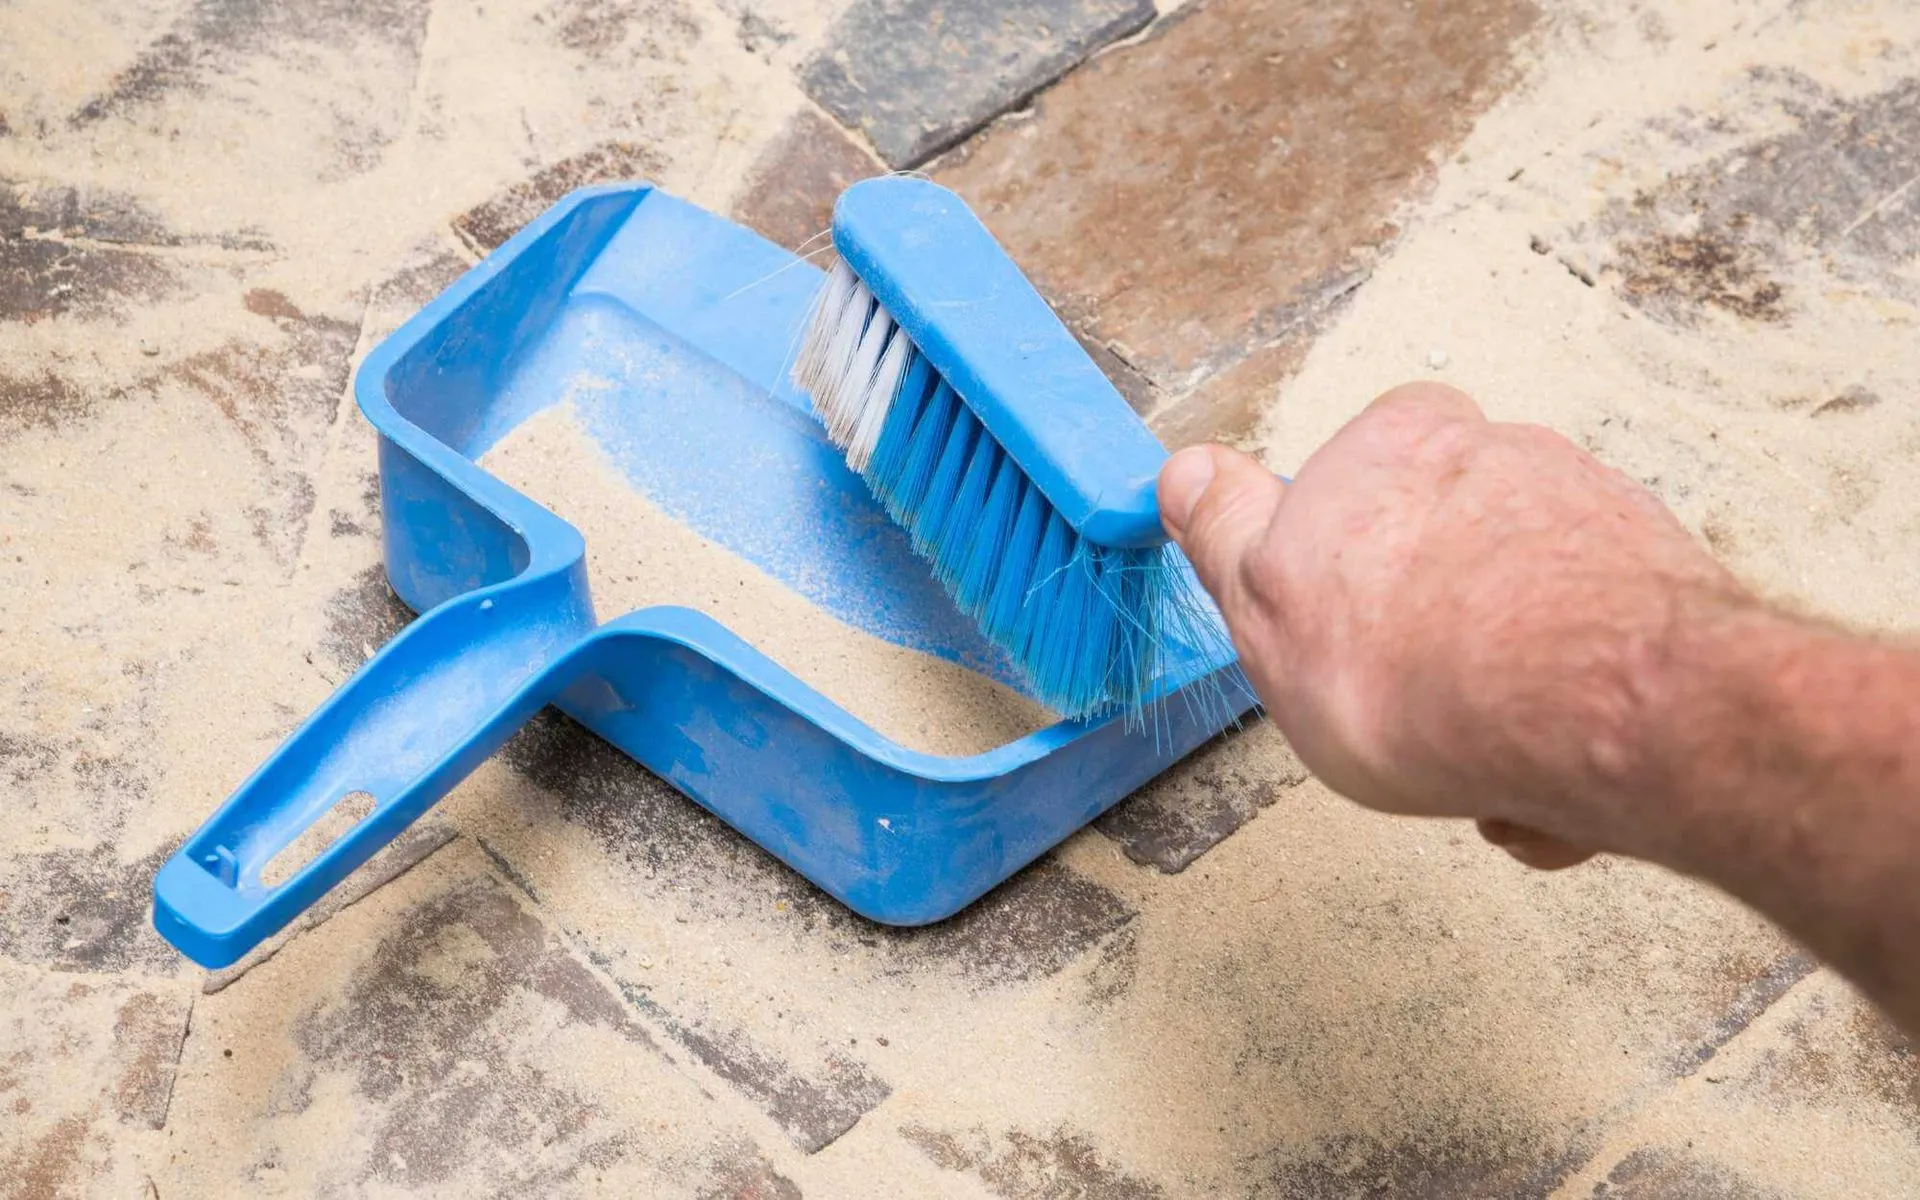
(639,556)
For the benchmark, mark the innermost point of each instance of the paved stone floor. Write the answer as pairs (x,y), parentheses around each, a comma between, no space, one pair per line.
(1684,232)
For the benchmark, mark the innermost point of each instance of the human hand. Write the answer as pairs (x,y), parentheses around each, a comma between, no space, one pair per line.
(1449,616)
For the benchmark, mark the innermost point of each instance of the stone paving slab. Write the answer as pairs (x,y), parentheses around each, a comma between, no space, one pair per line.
(576,982)
(1224,184)
(916,76)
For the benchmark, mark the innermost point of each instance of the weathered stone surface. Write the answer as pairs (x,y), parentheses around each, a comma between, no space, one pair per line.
(1756,991)
(1518,1163)
(1659,1173)
(87,1068)
(1221,185)
(916,76)
(213,212)
(86,911)
(61,252)
(1725,237)
(814,1103)
(1030,927)
(1019,1165)
(213,35)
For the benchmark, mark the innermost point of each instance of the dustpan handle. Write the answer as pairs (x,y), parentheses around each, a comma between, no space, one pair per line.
(407,727)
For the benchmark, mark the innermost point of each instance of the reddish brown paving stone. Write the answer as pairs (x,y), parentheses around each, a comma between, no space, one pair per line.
(791,189)
(485,226)
(87,1065)
(1197,195)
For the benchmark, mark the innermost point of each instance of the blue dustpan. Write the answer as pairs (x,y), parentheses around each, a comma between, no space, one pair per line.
(692,318)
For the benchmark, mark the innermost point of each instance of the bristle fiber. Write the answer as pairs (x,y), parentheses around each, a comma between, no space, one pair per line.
(1091,627)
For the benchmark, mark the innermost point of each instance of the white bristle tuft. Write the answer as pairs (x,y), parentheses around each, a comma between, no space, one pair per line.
(851,364)
(842,343)
(879,396)
(850,390)
(828,305)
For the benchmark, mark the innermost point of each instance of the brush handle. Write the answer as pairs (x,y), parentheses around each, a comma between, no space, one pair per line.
(941,275)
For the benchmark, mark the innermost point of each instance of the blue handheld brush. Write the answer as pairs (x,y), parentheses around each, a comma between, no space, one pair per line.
(1017,469)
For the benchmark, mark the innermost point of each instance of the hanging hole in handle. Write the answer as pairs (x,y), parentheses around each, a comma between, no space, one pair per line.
(332,825)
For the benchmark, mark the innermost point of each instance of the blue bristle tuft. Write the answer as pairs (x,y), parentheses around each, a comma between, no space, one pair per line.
(930,515)
(963,514)
(895,449)
(986,548)
(931,428)
(1001,615)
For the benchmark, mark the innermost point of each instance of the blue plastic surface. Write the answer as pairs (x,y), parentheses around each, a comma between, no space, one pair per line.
(680,322)
(948,283)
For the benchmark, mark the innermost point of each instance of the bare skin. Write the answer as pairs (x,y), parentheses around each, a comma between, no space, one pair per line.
(1452,617)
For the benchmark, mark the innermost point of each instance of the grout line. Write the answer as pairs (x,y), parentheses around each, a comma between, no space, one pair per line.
(179,1052)
(1753,1001)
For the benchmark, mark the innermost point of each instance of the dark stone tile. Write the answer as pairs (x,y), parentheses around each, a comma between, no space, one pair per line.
(214,38)
(428,269)
(66,251)
(1063,1164)
(741,1172)
(362,617)
(792,187)
(1224,183)
(76,910)
(1204,798)
(1720,237)
(1030,927)
(814,1103)
(917,76)
(485,226)
(1661,1173)
(403,1028)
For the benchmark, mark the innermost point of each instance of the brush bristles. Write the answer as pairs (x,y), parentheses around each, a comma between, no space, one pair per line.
(1086,624)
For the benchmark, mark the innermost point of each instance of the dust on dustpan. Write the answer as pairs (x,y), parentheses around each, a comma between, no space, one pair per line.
(638,556)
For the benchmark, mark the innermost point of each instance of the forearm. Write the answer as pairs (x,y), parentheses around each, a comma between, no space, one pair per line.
(1781,761)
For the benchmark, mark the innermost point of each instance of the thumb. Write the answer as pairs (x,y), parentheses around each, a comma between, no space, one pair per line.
(1217,504)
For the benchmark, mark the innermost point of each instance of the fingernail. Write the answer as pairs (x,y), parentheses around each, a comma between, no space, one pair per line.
(1183,480)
